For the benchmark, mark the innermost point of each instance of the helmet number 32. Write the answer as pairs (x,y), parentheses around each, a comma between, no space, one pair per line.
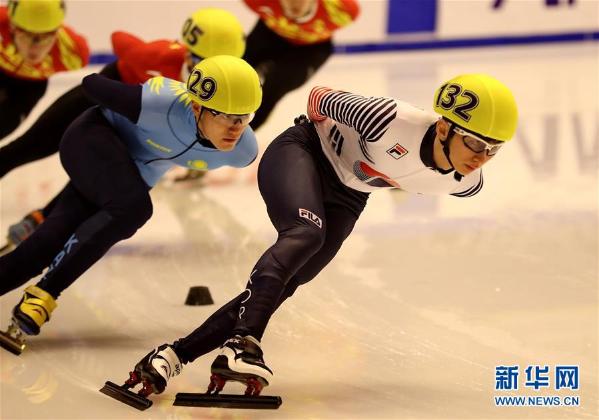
(448,97)
(203,87)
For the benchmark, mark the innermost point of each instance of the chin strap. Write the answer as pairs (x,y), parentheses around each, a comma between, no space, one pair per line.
(445,144)
(200,137)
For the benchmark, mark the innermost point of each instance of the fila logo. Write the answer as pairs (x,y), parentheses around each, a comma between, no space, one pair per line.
(397,151)
(307,214)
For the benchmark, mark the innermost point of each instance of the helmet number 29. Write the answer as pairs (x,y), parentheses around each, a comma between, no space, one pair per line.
(203,87)
(448,95)
(191,32)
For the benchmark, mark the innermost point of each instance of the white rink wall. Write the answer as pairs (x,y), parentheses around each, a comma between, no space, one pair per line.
(379,20)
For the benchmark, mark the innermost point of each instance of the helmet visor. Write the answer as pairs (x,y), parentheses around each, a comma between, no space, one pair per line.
(476,144)
(231,119)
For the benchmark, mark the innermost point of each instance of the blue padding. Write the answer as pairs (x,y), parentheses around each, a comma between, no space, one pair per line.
(464,43)
(104,58)
(409,16)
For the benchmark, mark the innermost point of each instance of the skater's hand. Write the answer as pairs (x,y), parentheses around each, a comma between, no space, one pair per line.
(300,120)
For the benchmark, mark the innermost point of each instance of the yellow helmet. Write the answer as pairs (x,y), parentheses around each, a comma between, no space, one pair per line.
(210,31)
(36,16)
(480,104)
(226,84)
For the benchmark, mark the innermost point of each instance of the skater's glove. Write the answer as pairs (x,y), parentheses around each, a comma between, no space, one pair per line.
(302,119)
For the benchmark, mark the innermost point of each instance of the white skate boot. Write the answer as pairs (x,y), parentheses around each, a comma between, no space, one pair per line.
(153,372)
(241,360)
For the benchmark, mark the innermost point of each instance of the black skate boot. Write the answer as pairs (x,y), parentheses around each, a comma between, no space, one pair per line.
(28,316)
(153,372)
(240,360)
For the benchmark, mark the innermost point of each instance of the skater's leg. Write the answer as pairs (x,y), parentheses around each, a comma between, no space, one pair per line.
(17,99)
(287,71)
(43,137)
(33,255)
(219,326)
(25,227)
(211,334)
(296,210)
(102,171)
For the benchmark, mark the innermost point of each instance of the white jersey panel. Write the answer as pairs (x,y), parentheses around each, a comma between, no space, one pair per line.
(378,144)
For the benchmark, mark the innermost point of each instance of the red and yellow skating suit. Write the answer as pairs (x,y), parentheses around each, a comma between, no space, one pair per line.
(70,52)
(329,16)
(139,61)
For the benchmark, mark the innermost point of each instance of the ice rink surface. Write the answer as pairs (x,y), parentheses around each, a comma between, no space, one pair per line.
(425,299)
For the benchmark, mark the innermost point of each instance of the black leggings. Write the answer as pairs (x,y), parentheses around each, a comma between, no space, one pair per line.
(313,213)
(43,137)
(104,202)
(282,65)
(17,99)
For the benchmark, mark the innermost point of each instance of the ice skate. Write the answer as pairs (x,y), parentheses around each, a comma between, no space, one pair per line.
(153,372)
(240,360)
(28,316)
(20,231)
(13,339)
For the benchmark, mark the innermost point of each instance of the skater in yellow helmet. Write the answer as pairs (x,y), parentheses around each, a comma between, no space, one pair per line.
(34,45)
(114,154)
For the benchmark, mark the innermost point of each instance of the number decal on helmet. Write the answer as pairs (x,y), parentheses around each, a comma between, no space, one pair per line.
(191,32)
(447,99)
(203,87)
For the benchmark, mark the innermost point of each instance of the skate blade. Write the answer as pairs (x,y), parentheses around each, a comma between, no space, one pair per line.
(228,401)
(123,395)
(11,344)
(5,249)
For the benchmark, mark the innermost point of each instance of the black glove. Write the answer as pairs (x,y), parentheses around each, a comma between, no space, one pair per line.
(302,119)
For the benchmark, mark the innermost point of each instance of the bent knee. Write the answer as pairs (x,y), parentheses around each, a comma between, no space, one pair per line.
(129,214)
(309,237)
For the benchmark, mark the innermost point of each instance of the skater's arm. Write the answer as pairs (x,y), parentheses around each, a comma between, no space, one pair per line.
(370,117)
(116,96)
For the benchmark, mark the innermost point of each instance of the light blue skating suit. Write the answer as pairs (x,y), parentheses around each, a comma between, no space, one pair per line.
(166,129)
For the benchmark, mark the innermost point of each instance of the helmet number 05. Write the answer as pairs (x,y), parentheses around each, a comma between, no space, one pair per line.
(191,32)
(447,99)
(203,87)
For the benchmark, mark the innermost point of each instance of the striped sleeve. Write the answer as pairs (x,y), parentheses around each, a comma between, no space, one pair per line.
(472,190)
(370,117)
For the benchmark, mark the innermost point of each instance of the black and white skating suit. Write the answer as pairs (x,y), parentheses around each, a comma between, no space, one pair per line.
(315,179)
(375,143)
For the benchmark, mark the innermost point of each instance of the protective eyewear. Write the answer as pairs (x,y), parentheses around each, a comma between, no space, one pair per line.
(231,119)
(32,38)
(476,144)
